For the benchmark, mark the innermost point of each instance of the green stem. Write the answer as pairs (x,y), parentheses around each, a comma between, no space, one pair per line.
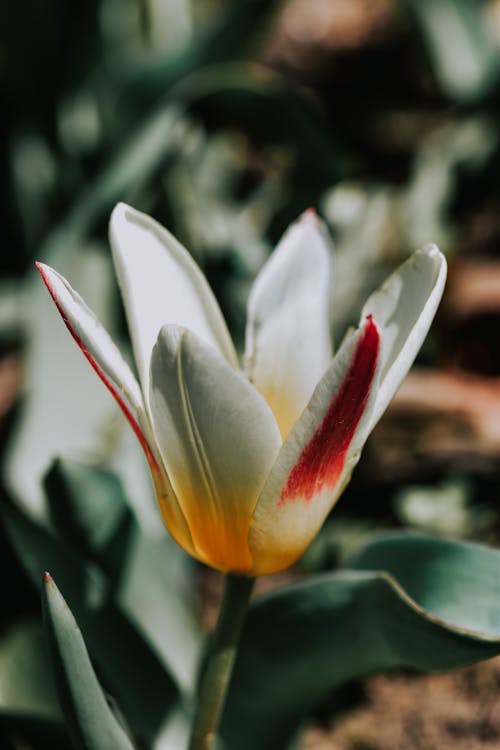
(219,663)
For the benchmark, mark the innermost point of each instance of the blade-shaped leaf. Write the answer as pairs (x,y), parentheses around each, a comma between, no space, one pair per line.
(124,656)
(305,640)
(89,719)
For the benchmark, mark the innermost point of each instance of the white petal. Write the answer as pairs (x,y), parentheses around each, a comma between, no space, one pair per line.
(317,458)
(101,352)
(161,284)
(288,344)
(106,360)
(218,439)
(403,309)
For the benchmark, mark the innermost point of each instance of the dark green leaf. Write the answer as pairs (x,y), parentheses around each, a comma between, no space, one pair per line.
(28,704)
(35,732)
(124,657)
(437,608)
(25,686)
(89,509)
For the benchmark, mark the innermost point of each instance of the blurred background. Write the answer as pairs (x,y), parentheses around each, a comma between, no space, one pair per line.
(225,120)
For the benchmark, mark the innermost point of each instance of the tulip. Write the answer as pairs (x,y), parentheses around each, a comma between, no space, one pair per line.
(247,463)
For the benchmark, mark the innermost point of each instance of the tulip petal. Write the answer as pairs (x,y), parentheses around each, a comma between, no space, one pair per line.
(218,439)
(403,309)
(318,456)
(161,284)
(108,363)
(288,344)
(102,353)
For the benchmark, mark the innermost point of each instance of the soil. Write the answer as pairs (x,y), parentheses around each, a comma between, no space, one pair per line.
(459,710)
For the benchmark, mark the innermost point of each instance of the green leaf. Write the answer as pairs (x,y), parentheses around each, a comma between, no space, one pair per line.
(147,576)
(89,719)
(457,582)
(25,687)
(87,508)
(436,608)
(124,656)
(28,704)
(464,55)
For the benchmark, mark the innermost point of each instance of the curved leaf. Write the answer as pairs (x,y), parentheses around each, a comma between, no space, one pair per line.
(305,640)
(457,582)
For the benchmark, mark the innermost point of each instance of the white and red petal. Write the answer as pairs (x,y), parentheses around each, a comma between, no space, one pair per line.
(288,344)
(102,354)
(218,439)
(317,458)
(403,309)
(161,284)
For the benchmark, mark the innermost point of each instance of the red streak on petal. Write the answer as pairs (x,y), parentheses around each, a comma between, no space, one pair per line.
(320,464)
(48,578)
(100,372)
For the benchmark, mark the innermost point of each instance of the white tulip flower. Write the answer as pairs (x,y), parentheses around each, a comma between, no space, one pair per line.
(248,463)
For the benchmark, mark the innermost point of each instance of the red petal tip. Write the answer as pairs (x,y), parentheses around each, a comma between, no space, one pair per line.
(48,578)
(42,269)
